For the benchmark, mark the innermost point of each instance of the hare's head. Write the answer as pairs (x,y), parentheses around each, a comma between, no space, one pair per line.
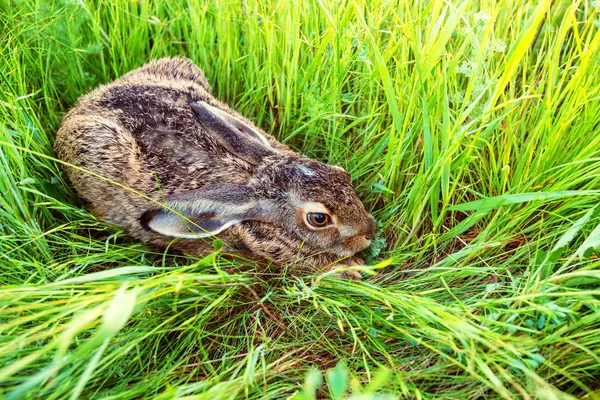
(314,204)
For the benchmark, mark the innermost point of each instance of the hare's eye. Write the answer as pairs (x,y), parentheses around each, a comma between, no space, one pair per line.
(318,220)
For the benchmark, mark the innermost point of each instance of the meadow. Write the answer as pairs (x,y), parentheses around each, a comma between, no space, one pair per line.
(471,131)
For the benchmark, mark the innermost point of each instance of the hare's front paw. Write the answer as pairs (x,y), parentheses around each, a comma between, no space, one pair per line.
(346,270)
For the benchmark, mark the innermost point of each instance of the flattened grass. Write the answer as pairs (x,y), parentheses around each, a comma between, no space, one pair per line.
(470,129)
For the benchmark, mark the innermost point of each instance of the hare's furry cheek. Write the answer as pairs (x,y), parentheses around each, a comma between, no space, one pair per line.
(283,245)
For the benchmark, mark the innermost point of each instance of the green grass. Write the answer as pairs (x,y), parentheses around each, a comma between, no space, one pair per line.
(471,129)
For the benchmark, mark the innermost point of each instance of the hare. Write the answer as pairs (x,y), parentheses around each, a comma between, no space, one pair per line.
(173,166)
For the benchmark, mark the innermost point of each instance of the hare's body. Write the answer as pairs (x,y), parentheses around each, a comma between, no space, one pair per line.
(139,131)
(158,134)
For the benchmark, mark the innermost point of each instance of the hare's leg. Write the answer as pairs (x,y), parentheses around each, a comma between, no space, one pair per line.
(109,174)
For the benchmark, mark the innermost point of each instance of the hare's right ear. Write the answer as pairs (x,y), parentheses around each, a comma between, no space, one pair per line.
(208,211)
(236,136)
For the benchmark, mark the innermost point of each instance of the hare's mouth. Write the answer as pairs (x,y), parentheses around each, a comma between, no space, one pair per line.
(356,244)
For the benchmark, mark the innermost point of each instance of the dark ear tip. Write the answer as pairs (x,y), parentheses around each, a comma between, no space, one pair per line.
(199,108)
(146,217)
(194,105)
(202,111)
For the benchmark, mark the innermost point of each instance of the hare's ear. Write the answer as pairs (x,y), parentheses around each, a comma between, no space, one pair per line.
(235,135)
(206,212)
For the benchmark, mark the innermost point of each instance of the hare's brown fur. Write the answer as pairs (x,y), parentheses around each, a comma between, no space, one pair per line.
(142,137)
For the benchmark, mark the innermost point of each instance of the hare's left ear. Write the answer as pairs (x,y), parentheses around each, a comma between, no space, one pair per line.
(235,135)
(206,212)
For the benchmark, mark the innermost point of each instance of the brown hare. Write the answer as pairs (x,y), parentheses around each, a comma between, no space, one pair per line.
(158,133)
